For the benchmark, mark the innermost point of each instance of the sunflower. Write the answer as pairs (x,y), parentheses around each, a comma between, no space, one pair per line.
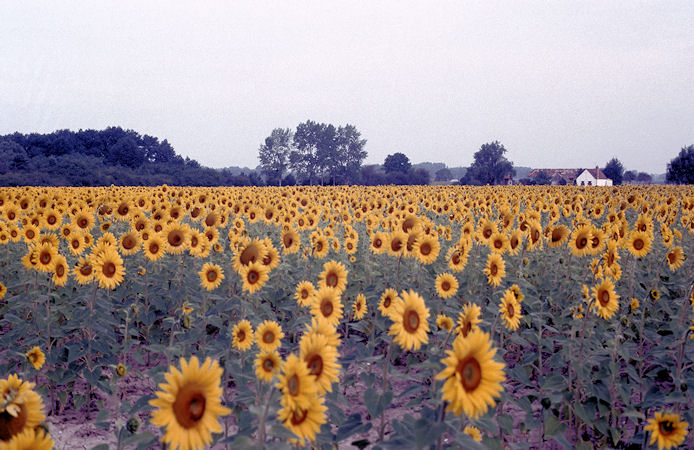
(83,271)
(154,247)
(472,377)
(334,275)
(321,326)
(639,243)
(473,432)
(468,319)
(45,257)
(457,258)
(211,276)
(557,236)
(444,322)
(397,243)
(655,295)
(254,276)
(176,237)
(267,364)
(20,407)
(426,249)
(510,310)
(3,291)
(189,404)
(446,285)
(410,326)
(675,258)
(327,304)
(389,299)
(60,271)
(291,242)
(30,439)
(108,269)
(321,360)
(304,293)
(36,357)
(304,422)
(121,370)
(321,247)
(498,242)
(634,304)
(515,242)
(379,242)
(580,239)
(243,335)
(129,243)
(667,429)
(605,299)
(359,307)
(268,335)
(517,293)
(298,386)
(495,269)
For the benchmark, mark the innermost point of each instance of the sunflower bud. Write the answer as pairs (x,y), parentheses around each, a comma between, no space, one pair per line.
(185,321)
(121,370)
(133,425)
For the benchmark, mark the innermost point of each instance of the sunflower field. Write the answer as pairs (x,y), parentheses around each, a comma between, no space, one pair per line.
(348,317)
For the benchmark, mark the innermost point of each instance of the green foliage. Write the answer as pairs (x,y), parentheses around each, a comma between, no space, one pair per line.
(489,167)
(614,171)
(680,170)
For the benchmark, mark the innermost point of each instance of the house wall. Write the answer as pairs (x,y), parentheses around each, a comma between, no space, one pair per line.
(589,180)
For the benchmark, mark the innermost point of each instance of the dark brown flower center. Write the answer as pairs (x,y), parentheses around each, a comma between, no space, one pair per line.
(241,336)
(410,321)
(86,270)
(326,308)
(331,280)
(604,298)
(175,238)
(467,327)
(582,242)
(470,373)
(666,427)
(425,249)
(287,240)
(189,406)
(396,245)
(510,311)
(9,425)
(293,385)
(493,269)
(211,276)
(268,365)
(299,416)
(109,269)
(269,337)
(639,244)
(45,258)
(252,276)
(315,364)
(128,242)
(154,248)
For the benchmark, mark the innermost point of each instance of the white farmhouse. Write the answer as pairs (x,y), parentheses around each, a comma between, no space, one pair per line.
(593,177)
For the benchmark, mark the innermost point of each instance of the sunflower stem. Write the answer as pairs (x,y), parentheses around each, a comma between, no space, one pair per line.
(261,425)
(384,385)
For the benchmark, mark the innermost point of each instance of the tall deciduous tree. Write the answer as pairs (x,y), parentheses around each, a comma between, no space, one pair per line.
(614,170)
(274,155)
(350,148)
(490,166)
(397,162)
(680,170)
(303,157)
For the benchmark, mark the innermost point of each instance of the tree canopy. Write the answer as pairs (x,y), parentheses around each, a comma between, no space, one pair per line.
(101,158)
(680,170)
(490,166)
(397,162)
(313,153)
(614,170)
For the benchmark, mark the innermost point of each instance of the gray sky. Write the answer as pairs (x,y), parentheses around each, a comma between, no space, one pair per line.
(559,83)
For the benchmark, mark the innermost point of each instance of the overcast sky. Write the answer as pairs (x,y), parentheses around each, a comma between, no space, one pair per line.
(559,83)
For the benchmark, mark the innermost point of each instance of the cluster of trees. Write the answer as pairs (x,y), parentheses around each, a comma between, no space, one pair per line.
(101,158)
(314,153)
(490,166)
(680,170)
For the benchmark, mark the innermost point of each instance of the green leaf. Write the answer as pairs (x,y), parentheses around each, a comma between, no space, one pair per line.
(553,426)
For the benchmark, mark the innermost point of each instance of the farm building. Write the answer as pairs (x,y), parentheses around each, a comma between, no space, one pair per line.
(580,177)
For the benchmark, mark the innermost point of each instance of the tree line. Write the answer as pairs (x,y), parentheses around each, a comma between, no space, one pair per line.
(321,153)
(104,157)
